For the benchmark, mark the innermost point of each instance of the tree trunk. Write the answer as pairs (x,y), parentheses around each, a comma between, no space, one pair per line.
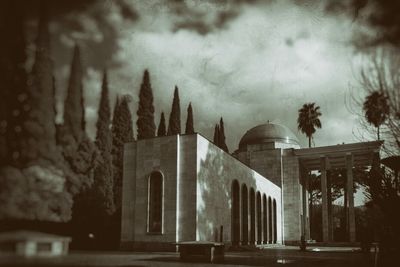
(378,134)
(309,141)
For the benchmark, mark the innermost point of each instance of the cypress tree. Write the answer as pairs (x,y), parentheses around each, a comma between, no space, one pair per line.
(74,112)
(38,180)
(145,123)
(221,136)
(189,121)
(78,150)
(162,131)
(15,97)
(174,125)
(122,132)
(216,135)
(103,179)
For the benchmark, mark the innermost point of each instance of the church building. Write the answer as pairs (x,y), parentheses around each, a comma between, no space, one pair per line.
(184,188)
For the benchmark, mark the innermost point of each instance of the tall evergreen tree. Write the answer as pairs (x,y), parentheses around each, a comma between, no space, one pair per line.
(189,120)
(74,114)
(78,150)
(221,136)
(33,184)
(174,125)
(162,129)
(122,133)
(14,95)
(216,135)
(145,123)
(103,178)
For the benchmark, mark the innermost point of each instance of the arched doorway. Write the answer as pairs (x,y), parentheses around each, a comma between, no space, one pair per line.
(252,217)
(269,220)
(235,213)
(259,219)
(245,216)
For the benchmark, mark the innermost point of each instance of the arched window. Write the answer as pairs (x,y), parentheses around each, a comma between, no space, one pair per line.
(155,203)
(235,213)
(252,216)
(245,214)
(270,220)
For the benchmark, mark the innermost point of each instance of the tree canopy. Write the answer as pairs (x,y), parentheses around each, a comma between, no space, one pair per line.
(174,125)
(308,120)
(162,129)
(146,127)
(189,129)
(376,109)
(122,133)
(103,177)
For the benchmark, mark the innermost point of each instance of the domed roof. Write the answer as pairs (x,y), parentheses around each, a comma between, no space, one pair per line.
(267,133)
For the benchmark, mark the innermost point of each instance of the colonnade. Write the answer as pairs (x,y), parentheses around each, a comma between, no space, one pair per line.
(254,218)
(327,218)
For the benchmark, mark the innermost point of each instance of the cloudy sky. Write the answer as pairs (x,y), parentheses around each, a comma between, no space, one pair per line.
(247,61)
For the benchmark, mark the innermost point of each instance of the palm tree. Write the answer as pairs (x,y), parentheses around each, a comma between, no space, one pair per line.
(308,120)
(376,109)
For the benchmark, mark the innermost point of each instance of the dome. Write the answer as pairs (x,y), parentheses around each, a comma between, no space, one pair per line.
(268,133)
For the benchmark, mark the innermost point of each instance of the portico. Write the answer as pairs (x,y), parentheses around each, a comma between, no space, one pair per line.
(345,156)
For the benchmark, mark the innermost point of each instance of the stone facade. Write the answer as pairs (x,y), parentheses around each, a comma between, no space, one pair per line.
(276,160)
(257,195)
(292,197)
(196,193)
(282,167)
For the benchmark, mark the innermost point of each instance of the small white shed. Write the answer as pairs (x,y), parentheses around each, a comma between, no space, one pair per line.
(29,243)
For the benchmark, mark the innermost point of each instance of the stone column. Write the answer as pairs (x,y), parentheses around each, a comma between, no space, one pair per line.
(325,215)
(272,221)
(350,197)
(255,219)
(248,217)
(304,202)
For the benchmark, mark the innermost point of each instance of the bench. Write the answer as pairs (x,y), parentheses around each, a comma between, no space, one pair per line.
(201,251)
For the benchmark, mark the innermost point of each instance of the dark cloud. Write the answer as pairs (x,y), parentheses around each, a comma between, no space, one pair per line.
(84,22)
(127,11)
(289,42)
(225,16)
(382,16)
(210,17)
(244,73)
(63,7)
(198,26)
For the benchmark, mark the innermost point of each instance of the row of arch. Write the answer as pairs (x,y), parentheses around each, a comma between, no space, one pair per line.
(254,218)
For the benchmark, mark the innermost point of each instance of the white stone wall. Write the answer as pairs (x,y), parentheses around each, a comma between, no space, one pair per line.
(140,160)
(197,178)
(292,197)
(186,223)
(216,170)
